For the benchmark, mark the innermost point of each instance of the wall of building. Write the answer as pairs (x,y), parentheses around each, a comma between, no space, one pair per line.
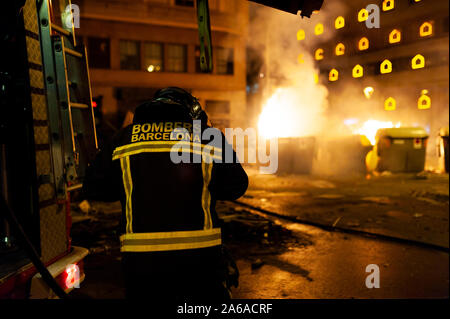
(165,23)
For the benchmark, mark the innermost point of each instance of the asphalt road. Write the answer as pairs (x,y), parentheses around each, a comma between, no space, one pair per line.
(405,206)
(333,265)
(283,259)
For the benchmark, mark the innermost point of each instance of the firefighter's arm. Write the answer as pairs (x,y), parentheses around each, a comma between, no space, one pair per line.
(229,181)
(100,182)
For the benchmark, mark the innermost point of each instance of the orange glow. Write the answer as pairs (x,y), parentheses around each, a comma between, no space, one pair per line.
(334,75)
(357,71)
(340,49)
(318,29)
(426,29)
(339,23)
(363,44)
(424,101)
(418,62)
(395,36)
(388,5)
(369,129)
(301,35)
(363,15)
(386,67)
(318,55)
(285,115)
(390,104)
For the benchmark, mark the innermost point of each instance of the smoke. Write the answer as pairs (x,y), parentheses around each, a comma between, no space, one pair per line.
(292,103)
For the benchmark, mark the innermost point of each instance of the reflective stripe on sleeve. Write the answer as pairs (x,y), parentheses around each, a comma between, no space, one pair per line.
(166,241)
(206,195)
(128,186)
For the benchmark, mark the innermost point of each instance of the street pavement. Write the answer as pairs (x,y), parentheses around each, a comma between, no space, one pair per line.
(332,265)
(282,259)
(407,206)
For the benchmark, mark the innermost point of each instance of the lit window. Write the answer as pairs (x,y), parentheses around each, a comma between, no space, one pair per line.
(363,44)
(318,29)
(301,35)
(395,36)
(339,23)
(130,57)
(357,71)
(316,78)
(386,67)
(153,57)
(176,58)
(418,62)
(318,55)
(300,58)
(424,101)
(426,29)
(368,91)
(363,15)
(388,5)
(340,49)
(334,75)
(390,104)
(224,61)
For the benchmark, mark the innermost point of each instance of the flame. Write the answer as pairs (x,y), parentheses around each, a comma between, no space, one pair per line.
(369,128)
(286,114)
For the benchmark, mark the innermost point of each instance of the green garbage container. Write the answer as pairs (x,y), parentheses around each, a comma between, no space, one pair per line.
(401,149)
(347,154)
(296,154)
(443,148)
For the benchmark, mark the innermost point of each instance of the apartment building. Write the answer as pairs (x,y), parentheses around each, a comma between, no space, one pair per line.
(137,47)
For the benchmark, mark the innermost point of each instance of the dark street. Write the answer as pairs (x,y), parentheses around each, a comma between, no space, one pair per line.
(279,258)
(241,151)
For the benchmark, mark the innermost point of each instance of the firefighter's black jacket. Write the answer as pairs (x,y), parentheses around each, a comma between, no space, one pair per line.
(158,195)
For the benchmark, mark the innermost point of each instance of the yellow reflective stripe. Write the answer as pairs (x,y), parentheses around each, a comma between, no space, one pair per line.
(162,150)
(163,142)
(166,146)
(164,241)
(206,195)
(128,185)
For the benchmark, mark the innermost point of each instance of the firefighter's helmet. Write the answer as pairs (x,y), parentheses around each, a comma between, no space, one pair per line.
(175,95)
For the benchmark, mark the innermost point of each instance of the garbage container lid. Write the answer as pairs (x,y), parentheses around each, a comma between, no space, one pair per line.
(443,131)
(402,132)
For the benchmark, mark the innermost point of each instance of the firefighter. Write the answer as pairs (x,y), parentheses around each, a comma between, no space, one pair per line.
(170,233)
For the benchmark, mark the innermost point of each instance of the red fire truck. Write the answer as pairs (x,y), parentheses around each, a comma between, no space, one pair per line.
(47,137)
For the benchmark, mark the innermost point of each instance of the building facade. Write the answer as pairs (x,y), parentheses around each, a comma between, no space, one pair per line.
(395,71)
(137,47)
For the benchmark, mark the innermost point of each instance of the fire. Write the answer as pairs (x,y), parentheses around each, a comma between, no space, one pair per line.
(369,128)
(288,114)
